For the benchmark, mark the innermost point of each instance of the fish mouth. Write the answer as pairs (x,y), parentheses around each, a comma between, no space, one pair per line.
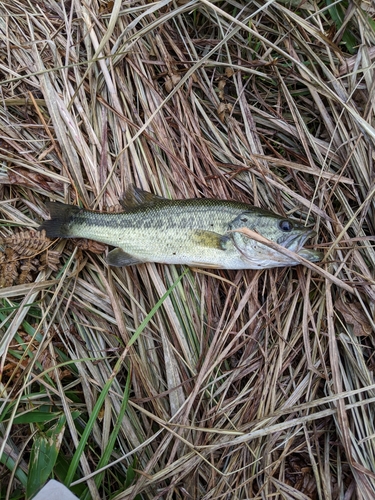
(295,242)
(311,255)
(273,257)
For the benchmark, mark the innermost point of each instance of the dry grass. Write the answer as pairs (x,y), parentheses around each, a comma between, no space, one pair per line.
(155,381)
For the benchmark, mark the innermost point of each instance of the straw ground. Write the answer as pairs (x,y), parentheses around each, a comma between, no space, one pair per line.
(165,382)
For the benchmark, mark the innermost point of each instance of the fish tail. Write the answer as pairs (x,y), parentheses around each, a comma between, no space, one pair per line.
(61,217)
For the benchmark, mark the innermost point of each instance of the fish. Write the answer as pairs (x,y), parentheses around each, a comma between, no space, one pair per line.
(198,232)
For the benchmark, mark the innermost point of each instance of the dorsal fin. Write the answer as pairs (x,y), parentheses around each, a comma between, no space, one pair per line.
(133,197)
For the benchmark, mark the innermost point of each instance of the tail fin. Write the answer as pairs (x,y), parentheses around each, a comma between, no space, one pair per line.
(61,216)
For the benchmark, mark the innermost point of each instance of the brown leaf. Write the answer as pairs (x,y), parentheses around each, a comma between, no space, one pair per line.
(26,243)
(51,259)
(221,88)
(91,246)
(171,82)
(27,178)
(224,109)
(354,316)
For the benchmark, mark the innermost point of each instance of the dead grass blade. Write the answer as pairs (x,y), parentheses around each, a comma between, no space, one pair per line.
(184,383)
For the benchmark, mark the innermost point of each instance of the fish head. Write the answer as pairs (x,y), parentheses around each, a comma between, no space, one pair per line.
(285,232)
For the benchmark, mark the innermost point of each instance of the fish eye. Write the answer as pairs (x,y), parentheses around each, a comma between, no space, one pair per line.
(285,225)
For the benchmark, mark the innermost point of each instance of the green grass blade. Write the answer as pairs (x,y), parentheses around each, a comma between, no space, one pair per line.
(44,453)
(113,437)
(100,401)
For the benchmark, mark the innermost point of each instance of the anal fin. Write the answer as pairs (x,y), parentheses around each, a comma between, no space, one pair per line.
(119,258)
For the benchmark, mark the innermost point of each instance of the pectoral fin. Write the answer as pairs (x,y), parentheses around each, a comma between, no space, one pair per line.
(210,239)
(119,258)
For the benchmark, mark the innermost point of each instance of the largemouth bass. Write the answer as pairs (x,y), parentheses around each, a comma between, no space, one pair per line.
(195,232)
